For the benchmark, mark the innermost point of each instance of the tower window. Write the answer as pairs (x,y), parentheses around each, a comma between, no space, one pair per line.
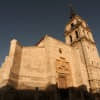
(72,26)
(76,34)
(60,51)
(70,38)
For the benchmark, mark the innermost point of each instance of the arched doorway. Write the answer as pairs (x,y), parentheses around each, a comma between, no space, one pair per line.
(63,73)
(62,80)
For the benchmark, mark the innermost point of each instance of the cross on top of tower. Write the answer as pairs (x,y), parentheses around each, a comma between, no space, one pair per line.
(72,11)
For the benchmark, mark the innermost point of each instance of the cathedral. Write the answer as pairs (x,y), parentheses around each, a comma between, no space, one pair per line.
(52,69)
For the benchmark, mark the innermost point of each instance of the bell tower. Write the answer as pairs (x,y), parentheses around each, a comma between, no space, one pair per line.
(78,35)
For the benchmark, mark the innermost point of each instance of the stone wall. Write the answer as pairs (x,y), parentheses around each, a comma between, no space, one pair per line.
(33,71)
(71,56)
(28,67)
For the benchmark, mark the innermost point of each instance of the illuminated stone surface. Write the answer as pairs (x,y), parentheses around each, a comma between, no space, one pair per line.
(51,62)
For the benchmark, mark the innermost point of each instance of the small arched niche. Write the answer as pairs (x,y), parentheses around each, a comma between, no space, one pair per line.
(77,35)
(71,40)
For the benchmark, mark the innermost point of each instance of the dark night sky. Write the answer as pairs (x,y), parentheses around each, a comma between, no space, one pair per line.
(29,20)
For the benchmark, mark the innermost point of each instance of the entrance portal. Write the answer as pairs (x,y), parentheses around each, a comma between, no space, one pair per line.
(63,73)
(62,82)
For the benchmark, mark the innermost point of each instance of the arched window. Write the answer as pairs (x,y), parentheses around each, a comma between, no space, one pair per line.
(72,26)
(60,51)
(76,34)
(70,38)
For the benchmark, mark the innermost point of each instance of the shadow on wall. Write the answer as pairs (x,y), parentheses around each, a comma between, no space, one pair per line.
(51,93)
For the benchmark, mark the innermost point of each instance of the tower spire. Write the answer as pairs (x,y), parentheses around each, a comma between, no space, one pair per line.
(72,11)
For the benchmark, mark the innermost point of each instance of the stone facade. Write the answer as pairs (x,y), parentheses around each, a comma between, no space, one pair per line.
(79,36)
(52,62)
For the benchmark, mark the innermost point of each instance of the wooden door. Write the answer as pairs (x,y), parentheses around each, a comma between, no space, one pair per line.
(62,82)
